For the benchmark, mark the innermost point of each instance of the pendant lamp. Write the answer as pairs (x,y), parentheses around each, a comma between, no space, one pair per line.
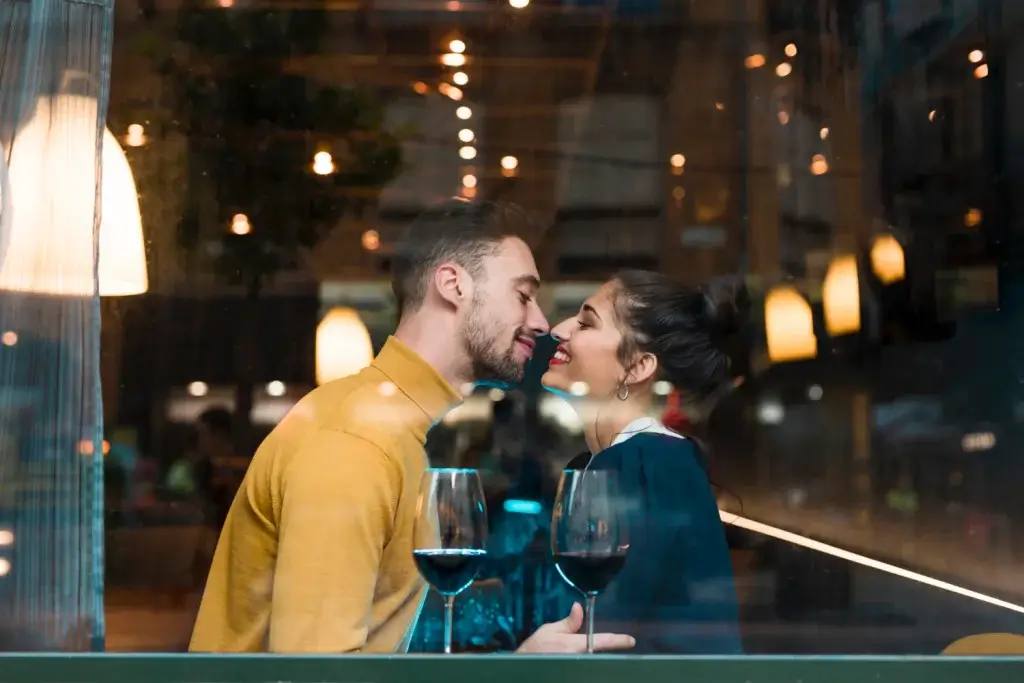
(52,184)
(789,325)
(841,296)
(343,345)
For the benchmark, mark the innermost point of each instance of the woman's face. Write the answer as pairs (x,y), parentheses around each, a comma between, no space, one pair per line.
(588,349)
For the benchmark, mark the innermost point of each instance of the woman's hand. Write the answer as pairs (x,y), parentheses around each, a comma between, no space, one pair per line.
(563,637)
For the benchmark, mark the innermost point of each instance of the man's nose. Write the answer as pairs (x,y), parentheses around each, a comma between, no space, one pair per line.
(536,321)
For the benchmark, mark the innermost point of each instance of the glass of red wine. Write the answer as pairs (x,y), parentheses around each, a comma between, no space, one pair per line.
(589,534)
(450,534)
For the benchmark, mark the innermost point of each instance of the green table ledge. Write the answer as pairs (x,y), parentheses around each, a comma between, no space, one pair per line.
(182,668)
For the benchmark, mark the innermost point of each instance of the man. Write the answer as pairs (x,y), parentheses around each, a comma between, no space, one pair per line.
(316,552)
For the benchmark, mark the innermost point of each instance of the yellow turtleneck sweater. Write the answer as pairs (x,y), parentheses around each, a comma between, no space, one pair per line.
(316,552)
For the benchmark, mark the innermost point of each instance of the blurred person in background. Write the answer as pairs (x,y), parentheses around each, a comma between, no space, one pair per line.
(316,555)
(209,473)
(219,462)
(676,593)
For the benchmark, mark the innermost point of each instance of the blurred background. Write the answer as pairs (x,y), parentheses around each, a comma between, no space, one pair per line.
(856,162)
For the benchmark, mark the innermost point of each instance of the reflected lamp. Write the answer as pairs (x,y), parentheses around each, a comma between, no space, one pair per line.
(343,345)
(887,259)
(50,246)
(841,296)
(789,325)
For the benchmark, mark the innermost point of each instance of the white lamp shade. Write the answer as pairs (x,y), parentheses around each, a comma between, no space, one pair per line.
(53,197)
(789,325)
(841,296)
(343,345)
(5,215)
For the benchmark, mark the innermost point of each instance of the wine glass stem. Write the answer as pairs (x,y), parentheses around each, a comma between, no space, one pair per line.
(591,604)
(449,609)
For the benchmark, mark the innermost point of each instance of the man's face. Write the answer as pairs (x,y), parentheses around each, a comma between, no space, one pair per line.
(504,320)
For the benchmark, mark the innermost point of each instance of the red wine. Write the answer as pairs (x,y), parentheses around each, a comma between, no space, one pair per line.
(590,572)
(450,570)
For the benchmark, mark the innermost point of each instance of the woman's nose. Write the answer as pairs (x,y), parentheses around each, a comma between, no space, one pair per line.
(560,332)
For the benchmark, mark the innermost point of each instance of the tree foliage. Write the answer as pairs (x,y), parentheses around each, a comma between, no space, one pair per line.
(253,122)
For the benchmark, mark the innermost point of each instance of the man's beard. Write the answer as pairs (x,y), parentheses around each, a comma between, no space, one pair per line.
(482,342)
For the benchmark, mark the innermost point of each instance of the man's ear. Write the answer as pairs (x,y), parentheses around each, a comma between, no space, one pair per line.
(452,284)
(645,367)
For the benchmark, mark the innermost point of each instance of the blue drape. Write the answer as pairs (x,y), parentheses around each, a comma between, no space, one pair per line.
(51,440)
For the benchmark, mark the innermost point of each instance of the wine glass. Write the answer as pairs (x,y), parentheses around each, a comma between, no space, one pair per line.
(450,534)
(589,534)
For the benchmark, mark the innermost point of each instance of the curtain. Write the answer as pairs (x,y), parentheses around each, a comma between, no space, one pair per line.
(54,83)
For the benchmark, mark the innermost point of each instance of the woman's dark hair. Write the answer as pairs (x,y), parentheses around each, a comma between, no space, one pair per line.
(684,328)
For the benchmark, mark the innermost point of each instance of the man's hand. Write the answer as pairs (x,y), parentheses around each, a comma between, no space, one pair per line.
(563,637)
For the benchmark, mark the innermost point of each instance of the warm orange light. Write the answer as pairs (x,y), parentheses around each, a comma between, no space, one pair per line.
(789,325)
(240,224)
(841,296)
(754,61)
(371,240)
(887,259)
(973,218)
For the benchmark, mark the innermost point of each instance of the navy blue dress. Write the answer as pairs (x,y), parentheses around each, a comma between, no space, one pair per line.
(677,593)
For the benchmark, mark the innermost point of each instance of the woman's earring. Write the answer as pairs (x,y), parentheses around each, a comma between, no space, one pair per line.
(622,392)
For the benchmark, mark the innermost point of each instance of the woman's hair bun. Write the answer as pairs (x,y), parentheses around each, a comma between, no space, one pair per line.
(726,305)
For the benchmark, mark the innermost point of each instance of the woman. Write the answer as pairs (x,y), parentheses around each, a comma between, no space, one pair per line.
(676,593)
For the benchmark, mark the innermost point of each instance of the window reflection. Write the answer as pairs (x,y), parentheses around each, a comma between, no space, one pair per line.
(852,164)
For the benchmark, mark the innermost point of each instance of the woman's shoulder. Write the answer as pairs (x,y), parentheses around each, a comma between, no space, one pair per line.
(670,449)
(663,461)
(651,451)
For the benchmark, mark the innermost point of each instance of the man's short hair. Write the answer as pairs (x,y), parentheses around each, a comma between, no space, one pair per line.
(217,420)
(456,230)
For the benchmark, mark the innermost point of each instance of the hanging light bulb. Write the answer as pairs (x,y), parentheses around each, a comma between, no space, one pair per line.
(323,163)
(240,224)
(136,136)
(343,345)
(50,245)
(453,59)
(370,240)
